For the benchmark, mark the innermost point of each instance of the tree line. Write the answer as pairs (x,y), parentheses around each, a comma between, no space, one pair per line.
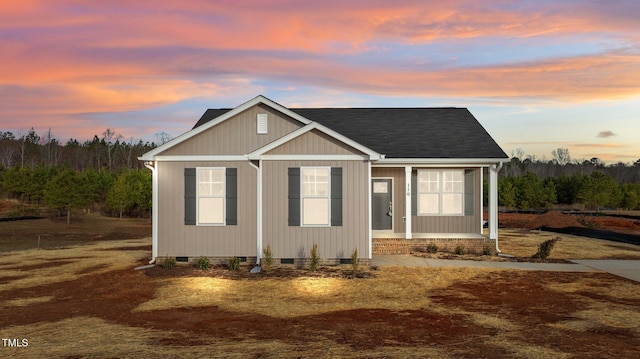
(63,190)
(110,151)
(104,173)
(530,183)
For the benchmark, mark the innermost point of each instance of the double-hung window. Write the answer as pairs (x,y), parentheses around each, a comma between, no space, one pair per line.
(315,196)
(441,192)
(211,196)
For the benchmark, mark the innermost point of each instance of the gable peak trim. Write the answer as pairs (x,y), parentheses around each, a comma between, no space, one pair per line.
(260,99)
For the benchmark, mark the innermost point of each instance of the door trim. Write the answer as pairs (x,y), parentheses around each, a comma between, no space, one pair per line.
(393,206)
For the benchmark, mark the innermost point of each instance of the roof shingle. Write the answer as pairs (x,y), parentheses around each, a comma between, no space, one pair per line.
(403,132)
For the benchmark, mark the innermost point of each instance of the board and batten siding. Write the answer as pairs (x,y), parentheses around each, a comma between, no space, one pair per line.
(333,242)
(429,224)
(312,143)
(236,135)
(177,239)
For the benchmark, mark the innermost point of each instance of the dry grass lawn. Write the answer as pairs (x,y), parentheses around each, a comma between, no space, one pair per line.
(400,312)
(524,243)
(398,288)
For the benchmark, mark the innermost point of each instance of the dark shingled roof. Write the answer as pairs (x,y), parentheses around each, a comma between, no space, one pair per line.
(404,132)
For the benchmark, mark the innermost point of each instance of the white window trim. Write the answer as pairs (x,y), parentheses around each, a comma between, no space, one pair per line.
(440,194)
(224,197)
(302,196)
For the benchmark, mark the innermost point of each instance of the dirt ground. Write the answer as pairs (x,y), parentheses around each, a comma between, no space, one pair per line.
(83,229)
(556,219)
(90,306)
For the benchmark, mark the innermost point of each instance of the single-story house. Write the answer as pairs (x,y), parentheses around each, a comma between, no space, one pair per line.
(375,180)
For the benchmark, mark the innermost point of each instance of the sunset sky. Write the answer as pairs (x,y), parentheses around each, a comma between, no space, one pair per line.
(538,75)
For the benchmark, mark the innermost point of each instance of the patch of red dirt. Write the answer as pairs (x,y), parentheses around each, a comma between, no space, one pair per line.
(522,298)
(222,271)
(614,223)
(551,219)
(556,219)
(49,264)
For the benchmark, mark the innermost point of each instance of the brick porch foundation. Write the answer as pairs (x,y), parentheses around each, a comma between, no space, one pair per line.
(406,246)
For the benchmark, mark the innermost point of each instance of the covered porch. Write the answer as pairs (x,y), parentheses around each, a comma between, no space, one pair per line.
(415,205)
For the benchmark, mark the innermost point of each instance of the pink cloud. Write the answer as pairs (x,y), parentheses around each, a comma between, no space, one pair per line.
(66,58)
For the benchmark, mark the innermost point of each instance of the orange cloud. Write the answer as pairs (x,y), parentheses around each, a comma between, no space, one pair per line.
(60,60)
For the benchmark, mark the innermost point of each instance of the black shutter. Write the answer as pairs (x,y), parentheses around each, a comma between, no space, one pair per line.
(414,193)
(469,185)
(231,196)
(190,196)
(336,196)
(294,196)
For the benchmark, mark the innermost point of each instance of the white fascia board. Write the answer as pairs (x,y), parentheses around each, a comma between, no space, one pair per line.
(201,158)
(149,156)
(313,157)
(259,153)
(439,162)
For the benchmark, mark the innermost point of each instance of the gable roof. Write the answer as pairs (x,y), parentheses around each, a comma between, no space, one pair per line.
(314,126)
(411,132)
(222,115)
(403,132)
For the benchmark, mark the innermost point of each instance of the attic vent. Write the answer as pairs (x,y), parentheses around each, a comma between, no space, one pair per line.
(262,123)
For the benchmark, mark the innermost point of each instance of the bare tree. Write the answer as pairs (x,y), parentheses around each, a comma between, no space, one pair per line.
(51,149)
(8,148)
(163,137)
(518,153)
(110,139)
(561,156)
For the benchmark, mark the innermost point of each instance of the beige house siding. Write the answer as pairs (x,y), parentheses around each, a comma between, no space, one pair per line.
(312,143)
(237,135)
(429,224)
(333,242)
(177,239)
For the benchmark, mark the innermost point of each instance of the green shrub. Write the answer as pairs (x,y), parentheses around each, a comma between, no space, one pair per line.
(354,260)
(203,263)
(169,263)
(432,248)
(234,263)
(314,258)
(267,259)
(544,249)
(459,250)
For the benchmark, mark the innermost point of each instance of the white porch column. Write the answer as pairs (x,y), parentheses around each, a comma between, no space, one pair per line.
(407,202)
(493,203)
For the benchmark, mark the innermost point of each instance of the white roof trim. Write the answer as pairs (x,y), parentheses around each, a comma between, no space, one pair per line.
(201,158)
(439,161)
(256,155)
(256,100)
(313,157)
